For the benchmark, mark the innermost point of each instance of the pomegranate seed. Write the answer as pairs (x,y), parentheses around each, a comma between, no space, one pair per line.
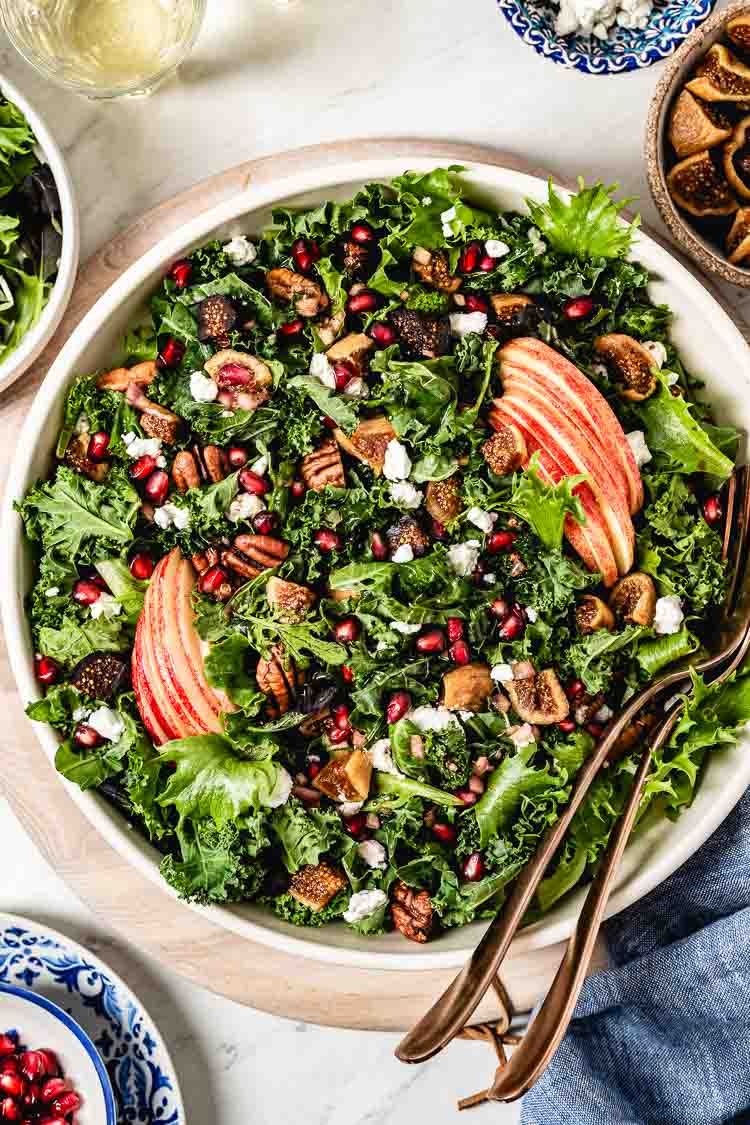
(379,547)
(578,309)
(32,1097)
(10,1110)
(157,487)
(327,540)
(265,523)
(355,825)
(98,446)
(86,592)
(47,671)
(341,716)
(34,1064)
(13,1084)
(237,456)
(292,327)
(596,730)
(455,629)
(383,334)
(567,726)
(398,705)
(181,272)
(313,769)
(460,652)
(233,376)
(298,488)
(362,233)
(432,642)
(347,674)
(329,422)
(486,264)
(438,530)
(467,796)
(469,258)
(141,566)
(342,374)
(364,302)
(9,1065)
(7,1045)
(473,868)
(473,303)
(143,467)
(171,354)
(347,630)
(712,510)
(67,1103)
(86,737)
(212,580)
(53,1121)
(575,689)
(52,1089)
(305,254)
(513,627)
(253,483)
(444,832)
(500,541)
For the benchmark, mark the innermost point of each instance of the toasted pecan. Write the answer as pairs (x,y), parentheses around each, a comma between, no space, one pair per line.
(412,912)
(185,471)
(308,297)
(323,467)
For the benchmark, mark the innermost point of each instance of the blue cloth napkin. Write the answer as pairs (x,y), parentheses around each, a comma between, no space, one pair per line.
(663,1036)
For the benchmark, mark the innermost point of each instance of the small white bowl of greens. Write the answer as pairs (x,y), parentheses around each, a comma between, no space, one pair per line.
(39,235)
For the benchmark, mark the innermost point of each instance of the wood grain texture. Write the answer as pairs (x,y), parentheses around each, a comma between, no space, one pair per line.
(183,940)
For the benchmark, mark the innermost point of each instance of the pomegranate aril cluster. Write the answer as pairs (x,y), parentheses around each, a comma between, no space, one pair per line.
(33,1091)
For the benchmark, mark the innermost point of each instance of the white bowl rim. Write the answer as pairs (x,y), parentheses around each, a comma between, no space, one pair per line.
(543,933)
(35,341)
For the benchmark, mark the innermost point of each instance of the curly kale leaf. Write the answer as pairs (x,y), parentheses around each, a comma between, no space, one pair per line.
(64,513)
(588,225)
(305,835)
(214,864)
(288,908)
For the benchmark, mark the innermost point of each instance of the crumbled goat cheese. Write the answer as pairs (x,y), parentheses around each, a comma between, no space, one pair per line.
(671,377)
(463,557)
(260,467)
(143,447)
(600,370)
(356,388)
(524,736)
(668,616)
(82,425)
(169,515)
(350,808)
(240,251)
(80,714)
(657,352)
(489,578)
(636,439)
(202,387)
(405,494)
(502,673)
(494,248)
(105,606)
(604,714)
(485,521)
(405,628)
(448,216)
(404,553)
(464,323)
(433,718)
(597,17)
(382,759)
(538,245)
(53,591)
(107,723)
(281,790)
(244,507)
(321,370)
(397,463)
(372,853)
(363,904)
(531,613)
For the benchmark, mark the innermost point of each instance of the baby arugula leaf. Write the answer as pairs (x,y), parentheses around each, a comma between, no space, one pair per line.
(588,226)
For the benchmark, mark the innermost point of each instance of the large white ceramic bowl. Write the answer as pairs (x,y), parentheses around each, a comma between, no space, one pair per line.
(36,340)
(713,348)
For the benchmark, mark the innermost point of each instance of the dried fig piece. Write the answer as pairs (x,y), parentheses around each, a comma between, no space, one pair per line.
(422,335)
(346,778)
(506,450)
(443,499)
(738,30)
(290,600)
(629,363)
(76,456)
(411,912)
(720,77)
(369,442)
(738,239)
(432,267)
(119,380)
(351,350)
(217,316)
(592,614)
(737,159)
(698,185)
(100,675)
(517,314)
(408,532)
(306,295)
(633,599)
(155,420)
(467,688)
(314,885)
(695,126)
(539,699)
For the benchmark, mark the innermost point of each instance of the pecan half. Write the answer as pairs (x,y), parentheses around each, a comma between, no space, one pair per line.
(76,456)
(290,600)
(211,462)
(278,678)
(433,269)
(412,913)
(155,420)
(185,471)
(238,564)
(369,442)
(204,562)
(351,350)
(265,550)
(308,297)
(143,374)
(443,499)
(323,467)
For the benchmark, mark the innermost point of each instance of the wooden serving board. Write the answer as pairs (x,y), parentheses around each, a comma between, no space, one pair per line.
(183,940)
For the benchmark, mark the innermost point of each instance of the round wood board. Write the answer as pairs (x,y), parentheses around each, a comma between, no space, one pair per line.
(185,941)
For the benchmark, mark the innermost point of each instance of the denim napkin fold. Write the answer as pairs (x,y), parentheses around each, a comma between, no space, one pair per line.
(663,1036)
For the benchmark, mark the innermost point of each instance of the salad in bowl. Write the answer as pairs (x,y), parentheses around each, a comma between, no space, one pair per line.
(343,571)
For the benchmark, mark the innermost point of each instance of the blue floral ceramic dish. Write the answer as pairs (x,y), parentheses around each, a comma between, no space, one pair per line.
(139,1067)
(670,23)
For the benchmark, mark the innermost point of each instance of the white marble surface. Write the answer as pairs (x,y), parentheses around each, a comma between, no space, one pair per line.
(268,75)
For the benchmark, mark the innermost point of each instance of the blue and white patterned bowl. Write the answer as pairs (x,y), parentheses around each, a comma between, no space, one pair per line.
(671,21)
(141,1073)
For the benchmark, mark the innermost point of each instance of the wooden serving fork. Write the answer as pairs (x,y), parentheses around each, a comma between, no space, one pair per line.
(455,1007)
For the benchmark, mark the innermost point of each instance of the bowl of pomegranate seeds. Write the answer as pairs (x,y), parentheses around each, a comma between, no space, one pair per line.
(50,1071)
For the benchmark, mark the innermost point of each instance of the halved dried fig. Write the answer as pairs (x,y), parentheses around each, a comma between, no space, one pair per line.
(217,316)
(738,239)
(592,614)
(351,350)
(369,442)
(737,159)
(695,126)
(633,599)
(506,450)
(420,334)
(738,30)
(467,688)
(407,532)
(101,675)
(539,698)
(290,600)
(629,363)
(432,267)
(721,77)
(517,314)
(698,185)
(443,499)
(346,778)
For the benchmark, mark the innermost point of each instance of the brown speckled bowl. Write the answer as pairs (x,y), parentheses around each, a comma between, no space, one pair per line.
(706,253)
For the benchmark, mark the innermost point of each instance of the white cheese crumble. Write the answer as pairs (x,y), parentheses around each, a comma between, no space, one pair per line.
(604,714)
(321,370)
(403,554)
(524,736)
(106,723)
(382,759)
(597,17)
(463,557)
(636,439)
(281,790)
(240,251)
(668,616)
(169,515)
(372,853)
(671,378)
(143,447)
(657,351)
(363,904)
(105,606)
(350,808)
(538,245)
(397,463)
(82,425)
(502,673)
(80,714)
(260,467)
(202,387)
(405,628)
(244,507)
(356,388)
(485,521)
(433,718)
(494,248)
(531,614)
(448,216)
(405,494)
(53,591)
(489,578)
(464,323)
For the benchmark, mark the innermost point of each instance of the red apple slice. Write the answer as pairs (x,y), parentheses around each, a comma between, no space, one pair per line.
(576,393)
(156,723)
